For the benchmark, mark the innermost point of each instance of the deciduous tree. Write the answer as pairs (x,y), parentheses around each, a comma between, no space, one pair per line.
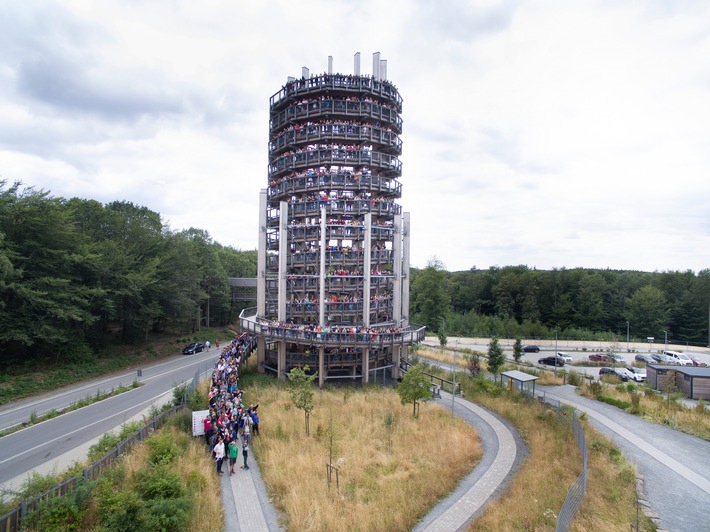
(415,386)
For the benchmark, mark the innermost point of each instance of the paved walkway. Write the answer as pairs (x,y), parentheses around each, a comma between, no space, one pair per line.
(675,465)
(503,453)
(247,507)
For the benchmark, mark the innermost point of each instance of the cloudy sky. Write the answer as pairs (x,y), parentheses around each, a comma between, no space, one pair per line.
(544,132)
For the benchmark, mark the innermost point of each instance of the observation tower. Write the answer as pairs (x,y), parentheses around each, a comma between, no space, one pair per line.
(333,253)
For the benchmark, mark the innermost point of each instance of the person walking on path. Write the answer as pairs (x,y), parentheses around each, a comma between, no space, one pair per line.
(245,454)
(233,453)
(219,454)
(246,431)
(207,345)
(255,422)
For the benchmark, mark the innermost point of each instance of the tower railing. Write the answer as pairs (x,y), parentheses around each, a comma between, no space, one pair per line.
(305,183)
(340,82)
(346,132)
(362,336)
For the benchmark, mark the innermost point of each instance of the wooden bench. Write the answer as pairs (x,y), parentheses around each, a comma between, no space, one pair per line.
(435,391)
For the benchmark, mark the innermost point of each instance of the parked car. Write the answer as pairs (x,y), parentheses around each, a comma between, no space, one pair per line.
(566,356)
(677,358)
(194,347)
(696,361)
(637,374)
(552,361)
(646,359)
(616,358)
(659,358)
(531,349)
(599,357)
(619,373)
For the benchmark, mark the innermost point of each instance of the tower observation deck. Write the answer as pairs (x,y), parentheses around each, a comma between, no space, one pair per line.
(333,254)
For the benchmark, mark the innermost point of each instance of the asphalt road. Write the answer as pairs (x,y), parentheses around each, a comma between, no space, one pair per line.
(675,465)
(48,444)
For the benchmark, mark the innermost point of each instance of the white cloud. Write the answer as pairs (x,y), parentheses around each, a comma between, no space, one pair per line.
(543,133)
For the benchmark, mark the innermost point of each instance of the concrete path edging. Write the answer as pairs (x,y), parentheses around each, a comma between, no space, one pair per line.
(460,512)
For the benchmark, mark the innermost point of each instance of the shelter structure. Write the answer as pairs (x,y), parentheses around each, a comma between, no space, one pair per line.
(333,254)
(519,380)
(692,381)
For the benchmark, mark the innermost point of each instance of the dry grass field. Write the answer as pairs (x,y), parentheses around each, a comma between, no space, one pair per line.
(539,489)
(389,474)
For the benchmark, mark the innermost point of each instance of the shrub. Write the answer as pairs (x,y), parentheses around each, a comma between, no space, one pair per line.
(574,378)
(159,483)
(165,446)
(61,513)
(182,421)
(119,509)
(595,388)
(613,401)
(165,514)
(484,385)
(635,403)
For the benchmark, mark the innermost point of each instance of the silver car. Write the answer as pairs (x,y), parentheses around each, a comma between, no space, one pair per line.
(636,374)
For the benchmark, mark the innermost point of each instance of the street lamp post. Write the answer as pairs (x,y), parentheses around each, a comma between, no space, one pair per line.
(453,385)
(556,352)
(627,336)
(666,343)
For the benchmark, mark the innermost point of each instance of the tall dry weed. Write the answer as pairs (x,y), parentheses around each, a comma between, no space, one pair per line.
(378,489)
(538,491)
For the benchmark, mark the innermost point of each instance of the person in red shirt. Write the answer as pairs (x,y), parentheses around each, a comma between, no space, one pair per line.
(207,424)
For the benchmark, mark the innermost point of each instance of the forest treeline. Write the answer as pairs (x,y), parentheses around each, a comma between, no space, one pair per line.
(75,273)
(517,301)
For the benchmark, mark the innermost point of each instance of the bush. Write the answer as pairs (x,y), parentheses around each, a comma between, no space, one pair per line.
(635,403)
(614,402)
(595,388)
(574,378)
(482,384)
(119,510)
(182,421)
(165,514)
(60,513)
(165,446)
(159,483)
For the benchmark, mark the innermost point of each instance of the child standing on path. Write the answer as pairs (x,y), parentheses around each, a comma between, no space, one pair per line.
(233,453)
(245,454)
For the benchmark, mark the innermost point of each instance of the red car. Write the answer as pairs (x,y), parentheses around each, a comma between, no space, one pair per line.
(696,361)
(599,357)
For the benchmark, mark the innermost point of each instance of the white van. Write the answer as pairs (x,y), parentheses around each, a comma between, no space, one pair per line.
(677,358)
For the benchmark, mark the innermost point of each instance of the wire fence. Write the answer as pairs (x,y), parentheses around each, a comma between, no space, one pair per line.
(576,493)
(12,521)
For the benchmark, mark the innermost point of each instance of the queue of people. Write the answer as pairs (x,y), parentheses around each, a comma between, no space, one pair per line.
(230,425)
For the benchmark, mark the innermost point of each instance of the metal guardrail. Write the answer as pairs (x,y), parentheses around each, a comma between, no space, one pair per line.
(12,521)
